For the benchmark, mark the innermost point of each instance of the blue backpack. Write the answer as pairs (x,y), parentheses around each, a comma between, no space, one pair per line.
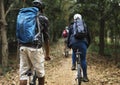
(27,25)
(79,29)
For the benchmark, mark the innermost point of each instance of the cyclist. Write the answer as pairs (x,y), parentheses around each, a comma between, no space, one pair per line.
(32,57)
(65,36)
(81,44)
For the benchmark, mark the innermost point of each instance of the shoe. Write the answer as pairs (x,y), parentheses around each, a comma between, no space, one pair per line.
(73,67)
(85,79)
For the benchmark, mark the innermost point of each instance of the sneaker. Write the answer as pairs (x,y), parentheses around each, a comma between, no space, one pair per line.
(73,67)
(85,79)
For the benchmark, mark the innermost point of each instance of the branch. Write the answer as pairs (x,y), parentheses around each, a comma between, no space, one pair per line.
(2,22)
(9,9)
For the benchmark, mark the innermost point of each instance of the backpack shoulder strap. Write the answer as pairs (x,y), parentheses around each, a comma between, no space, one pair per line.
(38,22)
(38,25)
(84,25)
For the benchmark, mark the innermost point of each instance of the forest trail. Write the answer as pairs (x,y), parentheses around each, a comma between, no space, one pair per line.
(98,74)
(62,74)
(101,71)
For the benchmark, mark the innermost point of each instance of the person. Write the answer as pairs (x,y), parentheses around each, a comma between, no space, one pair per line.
(79,43)
(65,36)
(32,57)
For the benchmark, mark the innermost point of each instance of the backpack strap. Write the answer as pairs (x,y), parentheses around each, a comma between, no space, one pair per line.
(39,25)
(39,35)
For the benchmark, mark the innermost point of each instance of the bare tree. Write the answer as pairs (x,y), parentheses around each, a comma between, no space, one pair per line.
(3,24)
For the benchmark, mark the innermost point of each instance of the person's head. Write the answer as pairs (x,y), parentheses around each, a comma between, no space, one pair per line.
(77,16)
(39,4)
(66,27)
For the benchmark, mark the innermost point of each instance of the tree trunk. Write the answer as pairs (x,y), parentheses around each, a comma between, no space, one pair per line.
(4,47)
(116,52)
(101,37)
(4,36)
(0,48)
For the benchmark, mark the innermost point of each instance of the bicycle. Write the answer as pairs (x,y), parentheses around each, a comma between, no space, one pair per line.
(66,49)
(66,52)
(32,76)
(79,68)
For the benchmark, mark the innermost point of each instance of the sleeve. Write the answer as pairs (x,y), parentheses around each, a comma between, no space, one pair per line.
(69,34)
(88,36)
(45,23)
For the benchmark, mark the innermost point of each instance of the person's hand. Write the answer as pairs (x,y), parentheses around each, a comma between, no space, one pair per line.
(47,58)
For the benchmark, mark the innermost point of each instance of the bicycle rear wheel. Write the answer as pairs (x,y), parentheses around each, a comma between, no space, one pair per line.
(79,78)
(66,53)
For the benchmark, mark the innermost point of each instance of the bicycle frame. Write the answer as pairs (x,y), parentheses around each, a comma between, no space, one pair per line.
(32,76)
(66,52)
(79,68)
(66,49)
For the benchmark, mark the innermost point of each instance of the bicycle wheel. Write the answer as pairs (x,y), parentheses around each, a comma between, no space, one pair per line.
(66,53)
(79,75)
(34,77)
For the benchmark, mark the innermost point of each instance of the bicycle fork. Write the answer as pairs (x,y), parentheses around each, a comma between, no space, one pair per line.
(79,69)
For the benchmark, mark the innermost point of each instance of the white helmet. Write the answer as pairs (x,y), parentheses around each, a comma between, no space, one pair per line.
(37,1)
(77,16)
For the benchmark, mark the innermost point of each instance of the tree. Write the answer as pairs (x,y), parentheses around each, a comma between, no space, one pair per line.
(3,26)
(3,35)
(97,14)
(57,16)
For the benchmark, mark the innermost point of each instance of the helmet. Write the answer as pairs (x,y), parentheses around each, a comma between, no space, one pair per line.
(39,4)
(37,1)
(66,27)
(65,33)
(77,16)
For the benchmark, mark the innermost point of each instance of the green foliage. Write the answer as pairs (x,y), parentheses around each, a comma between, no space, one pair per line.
(55,12)
(93,48)
(60,13)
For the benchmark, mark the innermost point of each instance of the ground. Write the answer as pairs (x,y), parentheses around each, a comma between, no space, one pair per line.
(101,71)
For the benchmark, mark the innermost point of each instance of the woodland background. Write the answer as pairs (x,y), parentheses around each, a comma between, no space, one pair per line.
(101,16)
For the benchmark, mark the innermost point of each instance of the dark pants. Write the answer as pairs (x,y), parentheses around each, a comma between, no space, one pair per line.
(82,48)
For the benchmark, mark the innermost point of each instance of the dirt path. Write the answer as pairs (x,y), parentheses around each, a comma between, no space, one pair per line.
(101,71)
(62,74)
(98,74)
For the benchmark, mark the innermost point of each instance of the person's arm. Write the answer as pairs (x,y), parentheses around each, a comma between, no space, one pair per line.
(88,37)
(69,34)
(46,39)
(47,48)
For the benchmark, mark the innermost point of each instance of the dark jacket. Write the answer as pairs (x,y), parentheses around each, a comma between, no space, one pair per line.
(45,23)
(71,39)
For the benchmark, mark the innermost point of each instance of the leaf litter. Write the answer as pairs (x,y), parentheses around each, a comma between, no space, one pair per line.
(58,70)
